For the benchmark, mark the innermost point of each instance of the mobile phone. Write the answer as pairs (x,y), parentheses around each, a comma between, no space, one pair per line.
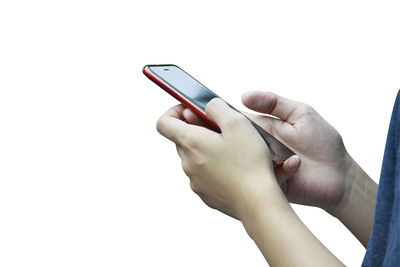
(195,96)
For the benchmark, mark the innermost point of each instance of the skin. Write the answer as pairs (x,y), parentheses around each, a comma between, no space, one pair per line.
(329,177)
(235,175)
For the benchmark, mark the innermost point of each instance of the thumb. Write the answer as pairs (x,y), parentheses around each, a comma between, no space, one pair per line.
(221,113)
(270,103)
(289,167)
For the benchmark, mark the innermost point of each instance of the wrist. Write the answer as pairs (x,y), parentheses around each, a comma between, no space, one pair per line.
(356,209)
(269,198)
(350,174)
(356,183)
(276,229)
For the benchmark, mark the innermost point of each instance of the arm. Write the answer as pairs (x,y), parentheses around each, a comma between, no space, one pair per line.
(235,176)
(281,236)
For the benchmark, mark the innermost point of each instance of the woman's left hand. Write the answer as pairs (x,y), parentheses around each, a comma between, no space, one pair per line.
(228,170)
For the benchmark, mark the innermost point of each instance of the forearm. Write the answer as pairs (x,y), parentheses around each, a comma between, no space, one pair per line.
(357,207)
(281,236)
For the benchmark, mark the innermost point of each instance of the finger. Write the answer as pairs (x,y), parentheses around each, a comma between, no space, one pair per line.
(176,111)
(270,103)
(192,118)
(219,112)
(171,125)
(289,167)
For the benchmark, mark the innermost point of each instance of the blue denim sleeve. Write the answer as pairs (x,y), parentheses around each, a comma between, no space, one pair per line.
(384,244)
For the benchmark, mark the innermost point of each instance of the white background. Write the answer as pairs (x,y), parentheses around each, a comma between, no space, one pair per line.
(85,179)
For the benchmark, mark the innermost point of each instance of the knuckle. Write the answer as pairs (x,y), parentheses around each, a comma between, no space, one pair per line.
(187,168)
(159,125)
(200,163)
(209,203)
(194,187)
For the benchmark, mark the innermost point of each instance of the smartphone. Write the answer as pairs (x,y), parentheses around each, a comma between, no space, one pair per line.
(195,96)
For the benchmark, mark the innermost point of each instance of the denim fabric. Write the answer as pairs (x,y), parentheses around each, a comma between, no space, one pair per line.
(384,245)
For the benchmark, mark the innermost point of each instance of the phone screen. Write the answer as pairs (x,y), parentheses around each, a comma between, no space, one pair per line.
(185,84)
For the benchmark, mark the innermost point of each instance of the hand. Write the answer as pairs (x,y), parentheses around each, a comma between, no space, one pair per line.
(229,171)
(282,171)
(321,179)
